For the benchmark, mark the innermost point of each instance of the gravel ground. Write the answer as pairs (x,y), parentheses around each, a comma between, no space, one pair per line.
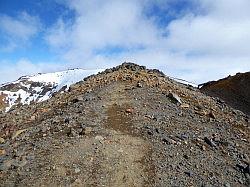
(127,126)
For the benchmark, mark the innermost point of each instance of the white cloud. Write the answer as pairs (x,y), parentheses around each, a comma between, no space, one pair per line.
(205,43)
(11,71)
(116,24)
(216,33)
(17,31)
(197,46)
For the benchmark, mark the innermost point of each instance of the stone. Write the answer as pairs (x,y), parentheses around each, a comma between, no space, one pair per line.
(203,148)
(2,141)
(209,142)
(44,129)
(77,170)
(184,105)
(189,173)
(70,132)
(139,85)
(75,100)
(2,152)
(247,169)
(243,169)
(175,98)
(6,165)
(150,132)
(217,139)
(211,115)
(129,110)
(99,138)
(19,163)
(240,181)
(17,133)
(86,130)
(169,141)
(80,98)
(33,118)
(19,152)
(66,120)
(77,183)
(151,117)
(120,150)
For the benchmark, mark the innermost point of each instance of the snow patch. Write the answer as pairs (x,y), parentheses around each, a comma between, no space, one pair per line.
(64,78)
(184,82)
(55,81)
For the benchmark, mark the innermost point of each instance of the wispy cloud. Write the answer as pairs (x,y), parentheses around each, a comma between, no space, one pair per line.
(203,39)
(215,33)
(17,31)
(196,40)
(11,71)
(112,24)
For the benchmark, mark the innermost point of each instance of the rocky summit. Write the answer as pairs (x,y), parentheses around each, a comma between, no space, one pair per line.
(126,126)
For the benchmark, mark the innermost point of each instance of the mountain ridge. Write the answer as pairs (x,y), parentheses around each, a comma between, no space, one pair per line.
(234,90)
(125,126)
(40,87)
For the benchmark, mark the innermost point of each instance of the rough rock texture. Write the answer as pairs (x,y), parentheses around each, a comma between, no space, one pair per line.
(234,90)
(121,128)
(24,88)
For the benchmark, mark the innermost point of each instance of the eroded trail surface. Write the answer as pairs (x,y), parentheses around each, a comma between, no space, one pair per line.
(108,153)
(128,126)
(131,167)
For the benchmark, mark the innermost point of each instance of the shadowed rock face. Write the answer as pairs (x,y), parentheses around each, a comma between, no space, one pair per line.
(125,127)
(234,90)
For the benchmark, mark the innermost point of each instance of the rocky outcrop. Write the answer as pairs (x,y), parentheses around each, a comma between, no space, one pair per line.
(234,90)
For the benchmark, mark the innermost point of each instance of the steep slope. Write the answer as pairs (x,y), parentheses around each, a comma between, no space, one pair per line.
(126,126)
(234,90)
(39,87)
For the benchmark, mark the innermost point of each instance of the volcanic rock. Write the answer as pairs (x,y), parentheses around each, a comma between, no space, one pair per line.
(234,90)
(97,142)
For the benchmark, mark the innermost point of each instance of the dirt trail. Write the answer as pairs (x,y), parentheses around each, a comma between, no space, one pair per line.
(112,131)
(131,170)
(117,157)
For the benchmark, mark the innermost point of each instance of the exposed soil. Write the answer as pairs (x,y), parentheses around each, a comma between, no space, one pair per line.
(123,128)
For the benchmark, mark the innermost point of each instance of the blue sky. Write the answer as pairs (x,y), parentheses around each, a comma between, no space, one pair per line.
(196,40)
(46,12)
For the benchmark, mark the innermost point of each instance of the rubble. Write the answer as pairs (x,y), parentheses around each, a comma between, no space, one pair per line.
(102,134)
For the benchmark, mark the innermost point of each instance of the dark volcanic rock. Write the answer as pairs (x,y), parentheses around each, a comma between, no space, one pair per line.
(234,90)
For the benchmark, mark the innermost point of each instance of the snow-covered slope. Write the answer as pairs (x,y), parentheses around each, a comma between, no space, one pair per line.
(184,82)
(41,87)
